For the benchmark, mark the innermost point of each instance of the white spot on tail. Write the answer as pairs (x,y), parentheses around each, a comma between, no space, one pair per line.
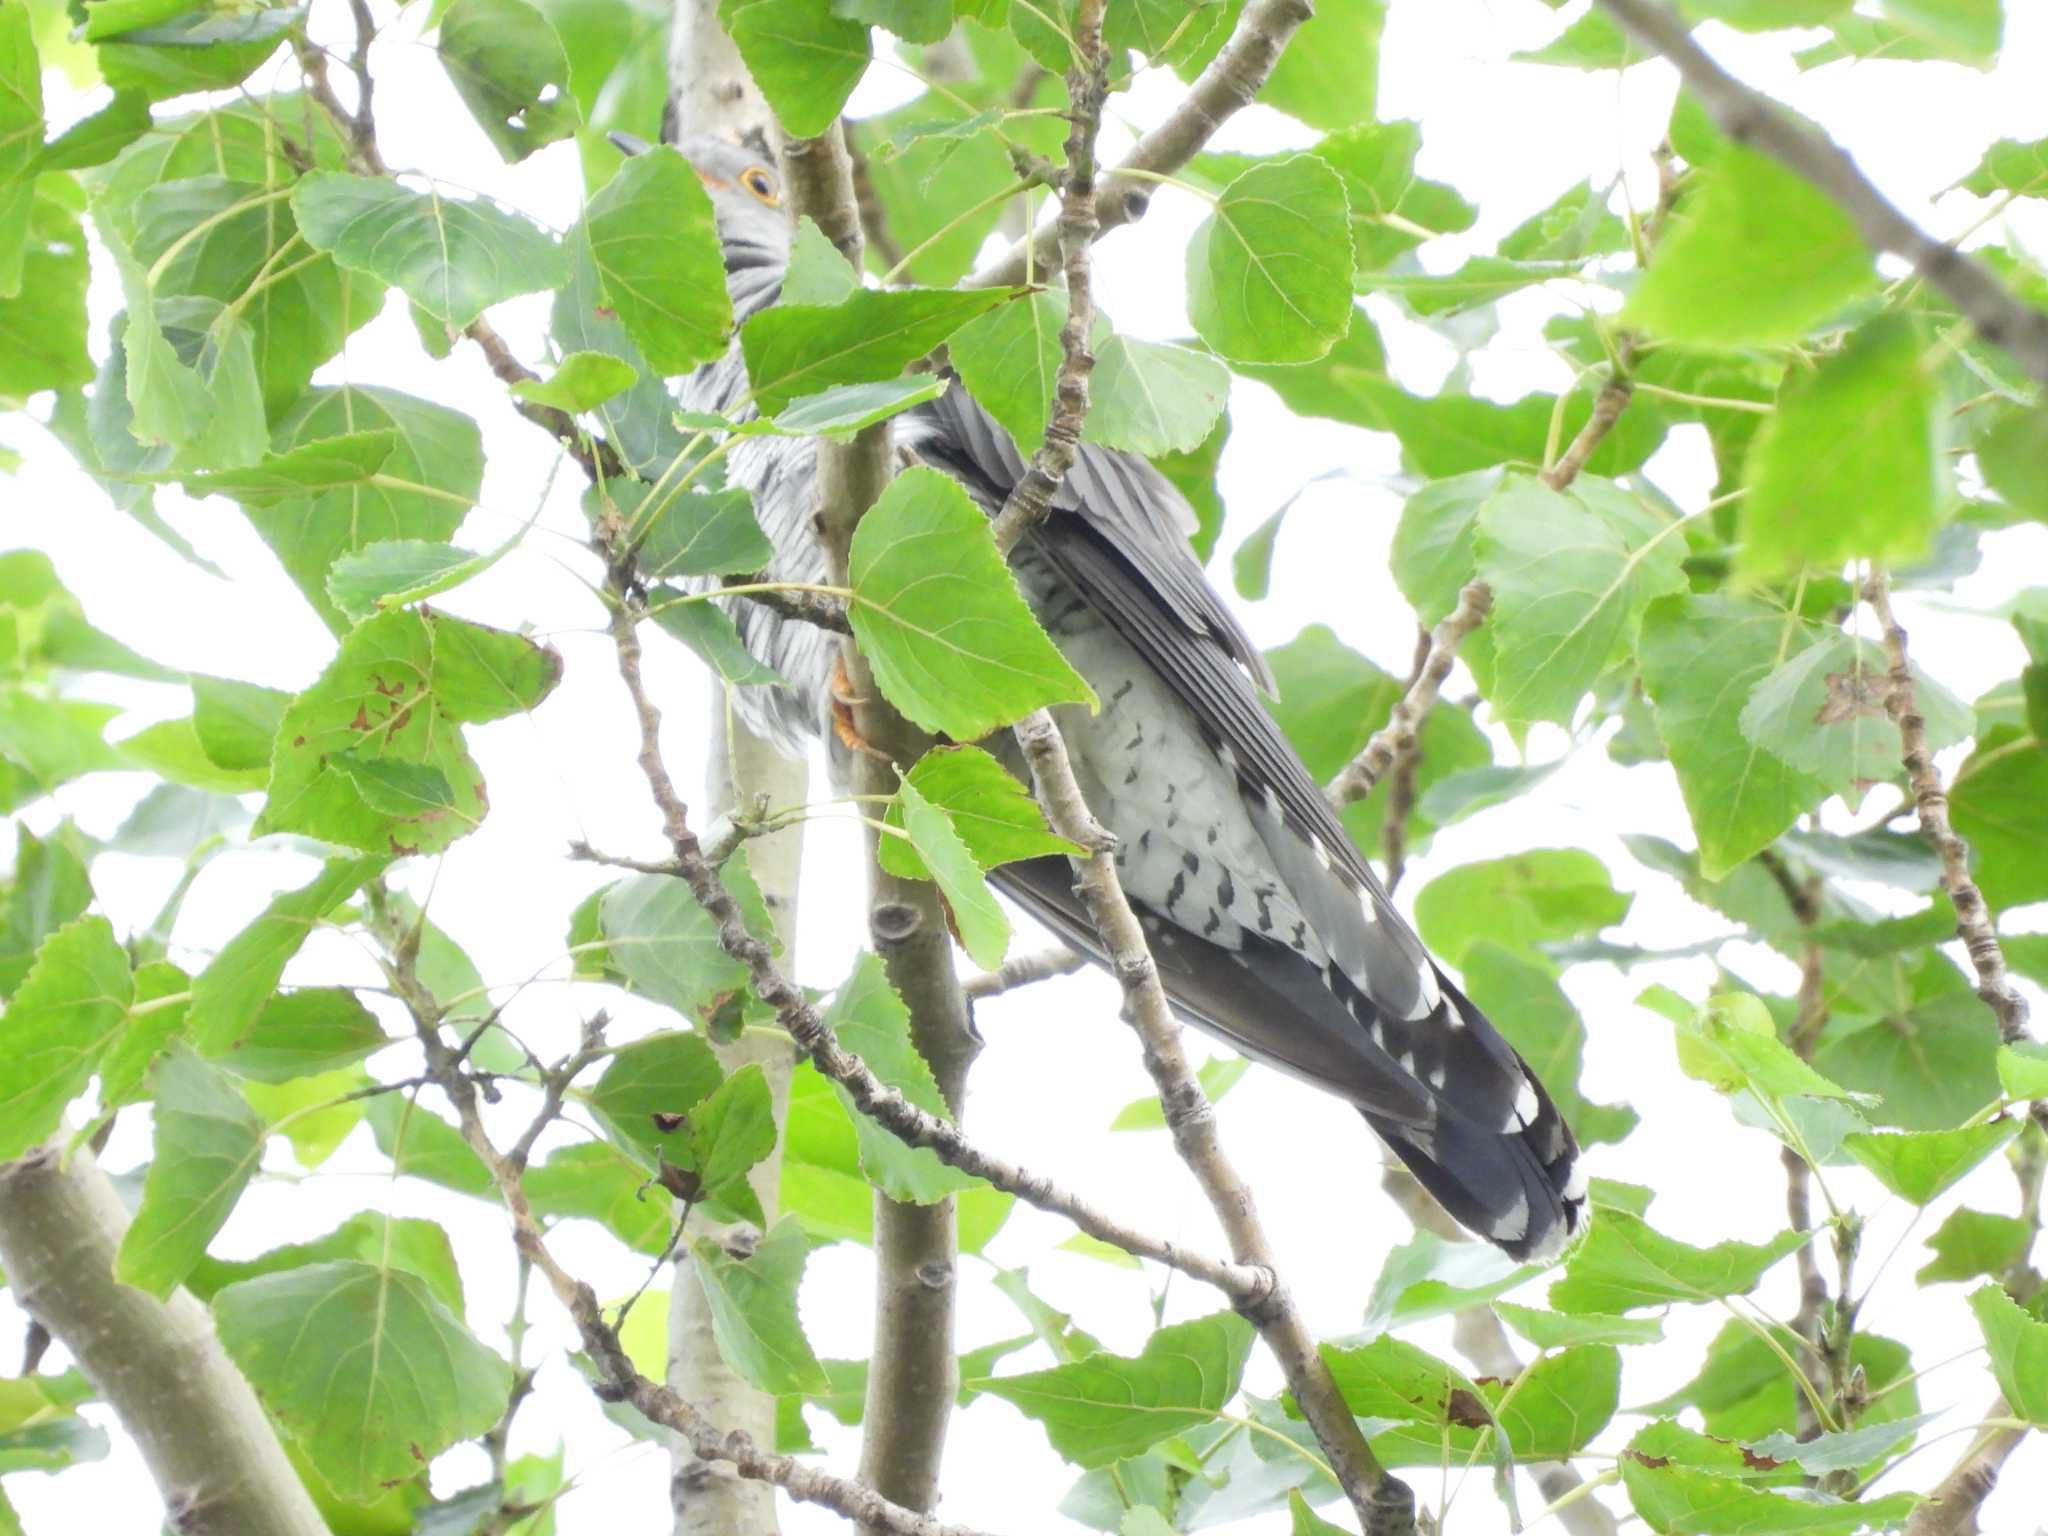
(1514,1226)
(1437,1074)
(1527,1105)
(1575,1184)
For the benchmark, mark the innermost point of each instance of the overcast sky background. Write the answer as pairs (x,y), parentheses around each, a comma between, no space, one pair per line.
(1057,1064)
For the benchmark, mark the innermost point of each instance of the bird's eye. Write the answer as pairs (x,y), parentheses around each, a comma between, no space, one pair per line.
(762,185)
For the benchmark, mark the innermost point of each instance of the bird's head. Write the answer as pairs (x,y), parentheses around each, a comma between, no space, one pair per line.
(746,195)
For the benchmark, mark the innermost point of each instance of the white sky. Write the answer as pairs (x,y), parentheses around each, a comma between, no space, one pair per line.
(1057,1064)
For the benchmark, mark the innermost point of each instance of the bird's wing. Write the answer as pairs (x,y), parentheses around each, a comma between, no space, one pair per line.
(1379,1024)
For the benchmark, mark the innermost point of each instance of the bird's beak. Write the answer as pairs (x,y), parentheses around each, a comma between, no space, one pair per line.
(629,143)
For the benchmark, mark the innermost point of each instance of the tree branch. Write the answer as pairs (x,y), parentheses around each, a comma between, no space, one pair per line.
(711,94)
(1973,918)
(1234,77)
(1023,971)
(1356,779)
(1384,1504)
(1749,117)
(159,1364)
(912,1370)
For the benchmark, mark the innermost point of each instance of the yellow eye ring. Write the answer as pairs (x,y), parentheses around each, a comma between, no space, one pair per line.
(762,185)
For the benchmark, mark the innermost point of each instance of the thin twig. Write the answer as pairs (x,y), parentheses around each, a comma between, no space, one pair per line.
(1973,918)
(1233,78)
(1407,768)
(620,1379)
(1030,500)
(813,608)
(1244,1285)
(1356,779)
(1607,408)
(1749,117)
(1023,971)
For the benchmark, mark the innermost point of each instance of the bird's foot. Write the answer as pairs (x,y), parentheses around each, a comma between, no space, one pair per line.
(843,701)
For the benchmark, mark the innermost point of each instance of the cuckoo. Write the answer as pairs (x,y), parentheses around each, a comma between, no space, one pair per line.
(1269,928)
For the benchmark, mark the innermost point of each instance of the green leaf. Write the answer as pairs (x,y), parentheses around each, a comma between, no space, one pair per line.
(1971,1243)
(648,1089)
(700,533)
(1624,1263)
(1518,902)
(1752,215)
(805,58)
(1849,465)
(422,1145)
(1571,572)
(369,1414)
(709,631)
(939,617)
(984,930)
(235,723)
(396,694)
(304,1032)
(818,273)
(873,1023)
(1562,1330)
(21,94)
(655,244)
(42,312)
(1845,1450)
(930,162)
(666,945)
(846,408)
(200,50)
(208,1145)
(1009,360)
(395,572)
(732,1132)
(1594,41)
(1967,30)
(1431,557)
(993,814)
(2013,455)
(1431,1276)
(1218,1075)
(306,469)
(871,335)
(596,1181)
(754,1311)
(1671,1497)
(1995,802)
(62,1017)
(53,741)
(1329,74)
(422,492)
(2010,166)
(1732,1044)
(230,994)
(1920,1167)
(2019,1352)
(1107,1407)
(453,259)
(417,1246)
(1150,397)
(1388,201)
(510,70)
(580,382)
(1701,657)
(49,888)
(1268,272)
(1823,713)
(1931,1051)
(2023,1070)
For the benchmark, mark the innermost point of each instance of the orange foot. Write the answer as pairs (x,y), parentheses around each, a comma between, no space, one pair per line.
(843,700)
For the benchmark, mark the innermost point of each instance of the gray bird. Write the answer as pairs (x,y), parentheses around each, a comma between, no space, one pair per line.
(1269,928)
